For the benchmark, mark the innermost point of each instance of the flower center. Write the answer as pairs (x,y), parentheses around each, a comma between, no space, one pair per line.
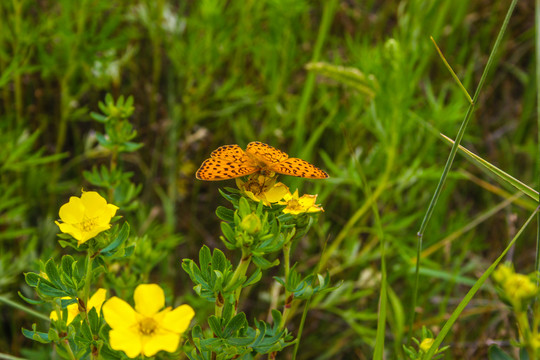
(148,326)
(293,204)
(88,224)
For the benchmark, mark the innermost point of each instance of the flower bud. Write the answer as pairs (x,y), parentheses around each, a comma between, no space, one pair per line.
(251,224)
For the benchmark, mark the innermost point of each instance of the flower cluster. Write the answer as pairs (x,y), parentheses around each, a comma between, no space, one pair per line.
(259,187)
(516,288)
(144,330)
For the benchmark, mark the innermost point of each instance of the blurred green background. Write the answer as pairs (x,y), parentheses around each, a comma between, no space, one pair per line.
(355,87)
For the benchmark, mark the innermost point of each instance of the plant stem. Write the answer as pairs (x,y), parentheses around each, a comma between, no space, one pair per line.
(65,344)
(239,272)
(288,295)
(525,331)
(23,308)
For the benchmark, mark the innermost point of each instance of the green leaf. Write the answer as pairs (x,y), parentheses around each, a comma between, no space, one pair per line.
(67,265)
(219,261)
(205,258)
(36,335)
(47,289)
(32,279)
(52,272)
(236,323)
(120,238)
(254,278)
(215,326)
(228,232)
(30,301)
(225,214)
(495,353)
(263,263)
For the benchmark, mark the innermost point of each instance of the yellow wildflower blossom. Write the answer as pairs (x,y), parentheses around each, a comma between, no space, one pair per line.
(518,287)
(73,310)
(85,217)
(299,205)
(263,188)
(502,273)
(425,345)
(146,330)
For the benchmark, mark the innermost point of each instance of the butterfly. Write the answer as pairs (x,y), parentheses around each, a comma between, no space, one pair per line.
(230,161)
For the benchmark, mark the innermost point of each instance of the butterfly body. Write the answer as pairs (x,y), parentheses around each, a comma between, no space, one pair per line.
(231,161)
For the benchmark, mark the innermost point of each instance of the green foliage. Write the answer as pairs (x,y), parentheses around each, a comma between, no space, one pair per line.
(356,88)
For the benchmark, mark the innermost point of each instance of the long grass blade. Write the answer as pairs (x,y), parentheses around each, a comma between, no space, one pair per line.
(492,169)
(537,47)
(452,155)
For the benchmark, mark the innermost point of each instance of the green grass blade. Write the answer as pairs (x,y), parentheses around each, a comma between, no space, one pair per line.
(499,174)
(454,316)
(300,127)
(537,47)
(451,70)
(452,155)
(465,122)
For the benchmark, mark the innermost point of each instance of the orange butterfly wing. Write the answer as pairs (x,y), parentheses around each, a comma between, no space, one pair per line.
(298,167)
(230,161)
(266,153)
(226,162)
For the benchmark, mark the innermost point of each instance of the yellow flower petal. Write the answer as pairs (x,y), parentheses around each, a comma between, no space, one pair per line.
(72,311)
(93,203)
(167,341)
(119,314)
(97,300)
(70,229)
(179,319)
(277,192)
(73,211)
(149,299)
(125,339)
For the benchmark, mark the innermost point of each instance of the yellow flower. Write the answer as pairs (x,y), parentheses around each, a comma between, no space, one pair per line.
(299,205)
(146,330)
(425,345)
(518,287)
(502,273)
(263,188)
(85,217)
(73,310)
